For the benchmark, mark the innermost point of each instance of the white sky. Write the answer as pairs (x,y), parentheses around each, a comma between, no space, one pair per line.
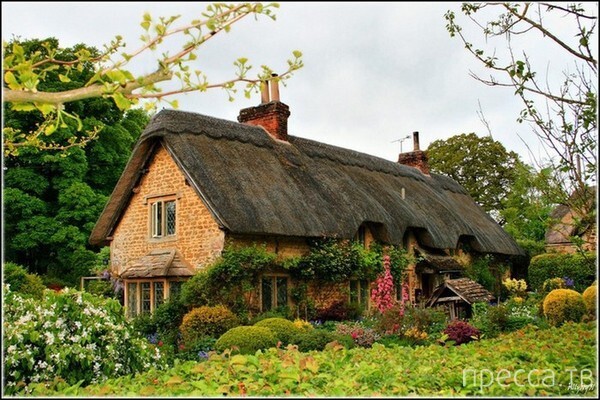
(374,72)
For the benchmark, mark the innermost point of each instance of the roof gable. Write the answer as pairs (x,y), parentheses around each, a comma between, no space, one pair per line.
(257,185)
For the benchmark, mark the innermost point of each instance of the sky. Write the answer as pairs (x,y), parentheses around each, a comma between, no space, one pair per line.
(374,71)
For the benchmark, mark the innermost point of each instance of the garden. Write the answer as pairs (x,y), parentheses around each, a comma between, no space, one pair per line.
(539,341)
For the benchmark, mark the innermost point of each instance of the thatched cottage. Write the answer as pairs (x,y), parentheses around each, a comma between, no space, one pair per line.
(195,183)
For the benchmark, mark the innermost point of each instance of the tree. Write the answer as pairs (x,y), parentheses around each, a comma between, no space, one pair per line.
(52,200)
(25,73)
(526,210)
(481,165)
(561,112)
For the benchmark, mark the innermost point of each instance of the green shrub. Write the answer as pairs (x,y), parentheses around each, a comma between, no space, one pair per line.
(100,288)
(194,291)
(283,329)
(207,321)
(246,339)
(553,283)
(589,299)
(563,305)
(315,339)
(580,268)
(23,282)
(71,336)
(279,312)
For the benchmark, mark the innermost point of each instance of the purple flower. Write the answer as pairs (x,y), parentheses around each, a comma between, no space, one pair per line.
(153,338)
(203,355)
(568,281)
(106,275)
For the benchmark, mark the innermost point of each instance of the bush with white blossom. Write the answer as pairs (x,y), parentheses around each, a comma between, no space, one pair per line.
(71,337)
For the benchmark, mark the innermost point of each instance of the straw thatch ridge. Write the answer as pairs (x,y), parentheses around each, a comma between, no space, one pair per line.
(254,184)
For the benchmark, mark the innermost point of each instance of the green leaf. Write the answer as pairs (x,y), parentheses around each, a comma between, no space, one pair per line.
(23,107)
(64,78)
(121,101)
(11,81)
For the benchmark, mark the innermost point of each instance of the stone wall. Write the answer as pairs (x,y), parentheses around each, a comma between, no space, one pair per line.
(198,237)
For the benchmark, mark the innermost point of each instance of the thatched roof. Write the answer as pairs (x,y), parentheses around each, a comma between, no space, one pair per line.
(159,263)
(467,290)
(439,262)
(254,184)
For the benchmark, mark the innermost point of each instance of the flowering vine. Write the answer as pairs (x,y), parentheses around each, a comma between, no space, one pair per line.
(381,295)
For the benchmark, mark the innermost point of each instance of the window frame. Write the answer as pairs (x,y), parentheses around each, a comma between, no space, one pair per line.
(158,216)
(137,298)
(274,290)
(360,295)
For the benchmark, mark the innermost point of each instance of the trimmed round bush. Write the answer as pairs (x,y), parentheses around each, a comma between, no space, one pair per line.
(561,305)
(246,339)
(589,299)
(207,321)
(315,339)
(283,329)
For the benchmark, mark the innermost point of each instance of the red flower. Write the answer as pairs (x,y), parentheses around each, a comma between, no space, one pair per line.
(160,343)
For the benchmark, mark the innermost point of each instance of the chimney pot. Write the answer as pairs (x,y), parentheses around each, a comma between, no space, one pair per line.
(274,88)
(416,141)
(264,92)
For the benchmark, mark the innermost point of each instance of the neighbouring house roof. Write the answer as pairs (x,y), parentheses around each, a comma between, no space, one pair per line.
(254,184)
(157,264)
(569,222)
(463,288)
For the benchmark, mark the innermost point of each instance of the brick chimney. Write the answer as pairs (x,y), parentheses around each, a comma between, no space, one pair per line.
(271,114)
(416,158)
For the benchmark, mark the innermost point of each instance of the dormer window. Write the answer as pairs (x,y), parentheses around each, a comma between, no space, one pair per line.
(163,218)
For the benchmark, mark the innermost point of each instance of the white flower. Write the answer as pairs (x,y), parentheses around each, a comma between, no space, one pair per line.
(49,338)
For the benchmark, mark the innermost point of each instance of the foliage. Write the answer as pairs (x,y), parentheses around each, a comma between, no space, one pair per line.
(234,276)
(553,283)
(580,268)
(283,329)
(516,287)
(110,76)
(461,332)
(22,282)
(363,337)
(339,311)
(303,325)
(427,371)
(278,312)
(480,164)
(73,337)
(315,339)
(525,212)
(381,295)
(52,200)
(246,339)
(560,106)
(590,299)
(483,271)
(207,321)
(561,305)
(194,291)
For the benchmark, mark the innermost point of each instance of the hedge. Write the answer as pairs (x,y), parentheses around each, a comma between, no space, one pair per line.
(580,268)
